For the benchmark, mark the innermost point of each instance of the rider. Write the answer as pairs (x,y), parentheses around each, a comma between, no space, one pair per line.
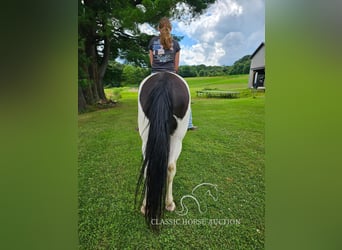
(164,53)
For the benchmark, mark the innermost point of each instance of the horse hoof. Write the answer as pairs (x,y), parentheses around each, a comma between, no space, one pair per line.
(171,207)
(142,210)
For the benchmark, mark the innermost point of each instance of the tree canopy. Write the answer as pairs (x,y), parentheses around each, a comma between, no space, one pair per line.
(241,66)
(110,28)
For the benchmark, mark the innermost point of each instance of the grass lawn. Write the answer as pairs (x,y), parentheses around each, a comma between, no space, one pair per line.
(227,150)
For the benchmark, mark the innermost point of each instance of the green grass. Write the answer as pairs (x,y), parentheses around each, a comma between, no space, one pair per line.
(226,150)
(218,82)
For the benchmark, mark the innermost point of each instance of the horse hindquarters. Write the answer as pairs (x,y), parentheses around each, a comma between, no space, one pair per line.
(154,117)
(159,105)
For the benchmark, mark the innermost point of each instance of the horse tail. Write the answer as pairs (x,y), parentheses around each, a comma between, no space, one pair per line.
(159,111)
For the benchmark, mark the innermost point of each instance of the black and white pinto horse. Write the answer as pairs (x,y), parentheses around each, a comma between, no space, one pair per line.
(163,117)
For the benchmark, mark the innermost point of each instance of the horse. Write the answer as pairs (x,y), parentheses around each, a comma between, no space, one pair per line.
(163,117)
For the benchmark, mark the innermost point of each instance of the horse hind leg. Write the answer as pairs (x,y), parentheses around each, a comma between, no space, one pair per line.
(169,204)
(143,206)
(171,171)
(175,150)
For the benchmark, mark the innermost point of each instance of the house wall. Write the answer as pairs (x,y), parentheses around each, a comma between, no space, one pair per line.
(250,79)
(258,61)
(259,58)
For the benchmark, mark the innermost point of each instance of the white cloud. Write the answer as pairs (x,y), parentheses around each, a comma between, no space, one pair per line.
(227,31)
(202,53)
(147,29)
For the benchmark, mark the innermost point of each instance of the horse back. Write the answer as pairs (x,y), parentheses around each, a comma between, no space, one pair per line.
(175,85)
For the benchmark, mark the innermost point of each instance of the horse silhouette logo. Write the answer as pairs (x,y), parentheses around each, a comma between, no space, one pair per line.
(193,197)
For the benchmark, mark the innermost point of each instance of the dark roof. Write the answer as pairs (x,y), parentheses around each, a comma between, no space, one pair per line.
(256,51)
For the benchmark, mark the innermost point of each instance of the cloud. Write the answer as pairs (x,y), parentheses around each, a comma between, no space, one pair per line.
(227,31)
(202,53)
(147,29)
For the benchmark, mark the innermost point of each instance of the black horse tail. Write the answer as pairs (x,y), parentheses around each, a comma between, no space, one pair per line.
(159,111)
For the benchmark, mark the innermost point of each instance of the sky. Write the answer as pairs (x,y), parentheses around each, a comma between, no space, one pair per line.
(225,32)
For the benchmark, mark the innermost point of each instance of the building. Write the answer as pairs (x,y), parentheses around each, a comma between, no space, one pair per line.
(257,70)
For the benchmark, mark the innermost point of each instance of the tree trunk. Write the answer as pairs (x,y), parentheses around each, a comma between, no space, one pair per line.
(81,100)
(88,94)
(96,72)
(102,69)
(92,68)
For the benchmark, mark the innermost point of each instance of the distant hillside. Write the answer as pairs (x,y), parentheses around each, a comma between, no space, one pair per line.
(239,67)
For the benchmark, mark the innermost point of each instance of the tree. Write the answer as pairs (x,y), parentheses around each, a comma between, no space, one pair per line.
(241,66)
(187,71)
(113,76)
(133,75)
(109,29)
